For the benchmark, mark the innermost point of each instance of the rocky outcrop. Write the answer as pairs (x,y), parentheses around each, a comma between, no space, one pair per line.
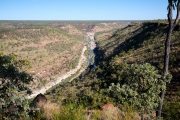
(107,106)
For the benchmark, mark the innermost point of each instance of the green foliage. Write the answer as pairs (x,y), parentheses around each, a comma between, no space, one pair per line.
(167,78)
(140,86)
(110,72)
(171,111)
(13,103)
(72,112)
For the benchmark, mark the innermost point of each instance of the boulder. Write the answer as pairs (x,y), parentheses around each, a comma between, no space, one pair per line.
(39,99)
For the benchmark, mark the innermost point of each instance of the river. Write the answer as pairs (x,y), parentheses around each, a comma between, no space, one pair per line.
(91,46)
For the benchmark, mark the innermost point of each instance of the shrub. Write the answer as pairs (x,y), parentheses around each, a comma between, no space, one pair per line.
(140,86)
(13,103)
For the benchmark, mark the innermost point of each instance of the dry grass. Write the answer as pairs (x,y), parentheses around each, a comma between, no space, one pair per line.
(49,109)
(111,114)
(116,114)
(52,111)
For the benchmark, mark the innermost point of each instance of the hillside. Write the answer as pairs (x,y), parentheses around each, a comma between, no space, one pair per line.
(50,50)
(139,42)
(51,47)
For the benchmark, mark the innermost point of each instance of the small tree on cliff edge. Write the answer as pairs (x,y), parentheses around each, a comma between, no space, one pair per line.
(172,4)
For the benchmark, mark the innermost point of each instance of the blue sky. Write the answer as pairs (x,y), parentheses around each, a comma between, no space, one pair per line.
(83,9)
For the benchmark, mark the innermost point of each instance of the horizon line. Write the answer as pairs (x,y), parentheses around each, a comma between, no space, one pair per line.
(83,20)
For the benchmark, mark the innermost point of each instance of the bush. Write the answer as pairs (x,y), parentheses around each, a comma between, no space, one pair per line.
(171,111)
(140,86)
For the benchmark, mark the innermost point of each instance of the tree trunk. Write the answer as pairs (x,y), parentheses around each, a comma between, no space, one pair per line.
(167,47)
(142,115)
(166,66)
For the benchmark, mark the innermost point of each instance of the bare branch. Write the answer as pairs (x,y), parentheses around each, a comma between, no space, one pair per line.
(170,13)
(177,15)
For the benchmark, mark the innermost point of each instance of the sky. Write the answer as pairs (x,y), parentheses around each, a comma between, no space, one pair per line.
(83,9)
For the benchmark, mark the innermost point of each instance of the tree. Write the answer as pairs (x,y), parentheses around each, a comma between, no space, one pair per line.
(172,4)
(140,86)
(13,88)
